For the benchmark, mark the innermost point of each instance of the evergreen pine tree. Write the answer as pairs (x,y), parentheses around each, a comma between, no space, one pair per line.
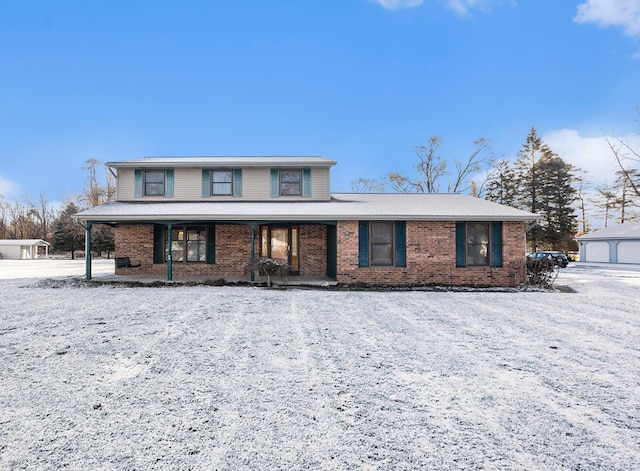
(539,182)
(556,197)
(533,150)
(69,233)
(502,184)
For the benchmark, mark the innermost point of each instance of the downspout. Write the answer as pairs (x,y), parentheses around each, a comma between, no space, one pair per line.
(87,250)
(169,254)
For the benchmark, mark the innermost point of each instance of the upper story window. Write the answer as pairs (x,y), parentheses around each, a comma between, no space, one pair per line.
(291,182)
(222,182)
(154,182)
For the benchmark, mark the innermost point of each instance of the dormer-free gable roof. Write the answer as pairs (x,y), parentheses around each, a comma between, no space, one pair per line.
(225,161)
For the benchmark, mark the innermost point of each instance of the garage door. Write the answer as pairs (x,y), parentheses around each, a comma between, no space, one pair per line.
(629,251)
(597,252)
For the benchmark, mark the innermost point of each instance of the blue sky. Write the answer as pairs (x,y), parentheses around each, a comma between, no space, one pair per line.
(360,81)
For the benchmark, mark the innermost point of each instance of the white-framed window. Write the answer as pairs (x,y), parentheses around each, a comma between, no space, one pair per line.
(221,182)
(154,182)
(188,244)
(291,182)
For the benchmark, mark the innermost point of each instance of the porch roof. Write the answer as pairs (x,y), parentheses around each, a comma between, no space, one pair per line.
(342,206)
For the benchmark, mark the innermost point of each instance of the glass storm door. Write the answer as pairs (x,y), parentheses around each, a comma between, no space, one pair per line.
(281,243)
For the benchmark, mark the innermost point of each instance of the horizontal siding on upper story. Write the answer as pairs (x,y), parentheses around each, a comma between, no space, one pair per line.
(256,186)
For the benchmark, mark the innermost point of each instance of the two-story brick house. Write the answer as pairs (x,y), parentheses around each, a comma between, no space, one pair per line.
(209,216)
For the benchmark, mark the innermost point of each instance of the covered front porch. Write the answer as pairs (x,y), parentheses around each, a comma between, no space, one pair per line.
(210,250)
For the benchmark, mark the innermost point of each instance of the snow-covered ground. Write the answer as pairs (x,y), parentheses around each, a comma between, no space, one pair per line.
(251,378)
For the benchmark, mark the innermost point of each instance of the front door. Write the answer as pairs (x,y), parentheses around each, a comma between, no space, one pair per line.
(281,243)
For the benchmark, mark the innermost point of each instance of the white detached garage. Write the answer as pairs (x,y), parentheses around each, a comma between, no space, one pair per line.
(617,244)
(23,249)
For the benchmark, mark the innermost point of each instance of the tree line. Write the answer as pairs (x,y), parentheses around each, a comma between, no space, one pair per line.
(539,181)
(40,219)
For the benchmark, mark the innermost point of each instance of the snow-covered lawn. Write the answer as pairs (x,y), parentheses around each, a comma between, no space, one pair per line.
(251,378)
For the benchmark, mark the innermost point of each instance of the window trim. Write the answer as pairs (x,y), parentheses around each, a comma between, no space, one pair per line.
(161,241)
(392,244)
(398,244)
(469,244)
(494,245)
(298,171)
(212,172)
(145,192)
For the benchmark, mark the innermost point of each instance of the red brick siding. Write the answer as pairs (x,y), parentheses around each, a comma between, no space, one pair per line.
(430,245)
(233,251)
(431,258)
(313,250)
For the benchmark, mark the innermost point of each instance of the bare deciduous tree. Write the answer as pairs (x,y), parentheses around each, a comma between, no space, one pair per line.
(431,169)
(627,159)
(365,185)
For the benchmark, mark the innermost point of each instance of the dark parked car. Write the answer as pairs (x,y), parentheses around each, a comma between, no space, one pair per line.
(558,258)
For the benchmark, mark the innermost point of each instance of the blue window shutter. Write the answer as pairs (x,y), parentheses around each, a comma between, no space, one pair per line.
(363,243)
(306,182)
(158,246)
(211,244)
(237,182)
(275,178)
(168,183)
(461,245)
(401,244)
(496,244)
(206,183)
(137,187)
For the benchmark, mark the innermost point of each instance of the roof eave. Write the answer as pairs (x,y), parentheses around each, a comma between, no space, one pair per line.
(226,162)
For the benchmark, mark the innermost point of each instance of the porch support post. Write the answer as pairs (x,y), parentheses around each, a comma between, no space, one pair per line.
(87,250)
(253,248)
(169,253)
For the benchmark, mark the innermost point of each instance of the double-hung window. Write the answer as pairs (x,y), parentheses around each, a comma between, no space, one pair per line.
(291,182)
(479,244)
(221,182)
(382,243)
(154,182)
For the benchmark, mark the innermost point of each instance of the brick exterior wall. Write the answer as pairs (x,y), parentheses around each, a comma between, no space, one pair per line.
(430,250)
(233,251)
(431,258)
(313,250)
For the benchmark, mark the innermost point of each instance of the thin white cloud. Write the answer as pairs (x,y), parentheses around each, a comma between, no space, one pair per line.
(591,154)
(462,6)
(624,13)
(8,188)
(398,4)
